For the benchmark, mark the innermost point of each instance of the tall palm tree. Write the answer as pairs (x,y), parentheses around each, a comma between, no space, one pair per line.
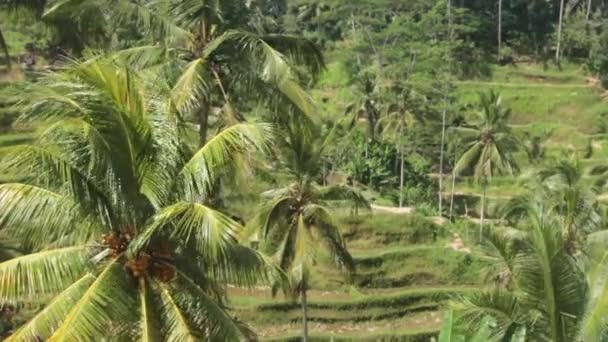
(489,144)
(295,218)
(366,105)
(221,61)
(115,211)
(398,115)
(559,32)
(4,47)
(499,28)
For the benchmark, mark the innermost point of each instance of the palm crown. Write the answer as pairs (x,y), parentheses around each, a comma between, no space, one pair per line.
(489,141)
(114,209)
(297,215)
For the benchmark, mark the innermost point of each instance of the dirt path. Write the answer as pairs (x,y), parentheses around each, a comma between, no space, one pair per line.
(392,210)
(525,85)
(426,321)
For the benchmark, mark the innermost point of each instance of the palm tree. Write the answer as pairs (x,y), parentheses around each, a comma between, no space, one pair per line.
(296,218)
(115,211)
(572,198)
(559,32)
(399,114)
(366,105)
(550,297)
(546,298)
(489,144)
(4,47)
(499,28)
(219,60)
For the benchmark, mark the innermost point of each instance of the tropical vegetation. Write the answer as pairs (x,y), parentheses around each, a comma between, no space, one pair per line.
(193,170)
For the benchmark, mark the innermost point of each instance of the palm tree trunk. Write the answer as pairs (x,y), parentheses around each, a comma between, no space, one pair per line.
(452,192)
(483,209)
(203,123)
(588,14)
(401,175)
(499,27)
(559,33)
(304,315)
(4,48)
(441,154)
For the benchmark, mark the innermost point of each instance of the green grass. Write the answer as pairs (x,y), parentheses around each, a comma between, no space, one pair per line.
(392,335)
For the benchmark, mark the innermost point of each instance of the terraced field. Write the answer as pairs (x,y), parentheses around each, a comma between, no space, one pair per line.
(405,276)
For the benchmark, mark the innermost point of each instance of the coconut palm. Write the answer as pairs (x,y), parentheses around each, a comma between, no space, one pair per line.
(547,296)
(220,60)
(114,209)
(553,295)
(295,219)
(488,144)
(572,198)
(366,105)
(399,114)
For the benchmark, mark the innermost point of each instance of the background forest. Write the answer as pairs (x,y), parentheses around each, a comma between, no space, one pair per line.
(381,170)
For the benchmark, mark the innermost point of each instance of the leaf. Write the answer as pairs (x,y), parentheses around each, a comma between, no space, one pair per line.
(191,87)
(48,319)
(200,173)
(208,230)
(176,326)
(108,299)
(206,312)
(149,325)
(32,276)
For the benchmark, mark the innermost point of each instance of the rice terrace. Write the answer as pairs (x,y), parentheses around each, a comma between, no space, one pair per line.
(304,170)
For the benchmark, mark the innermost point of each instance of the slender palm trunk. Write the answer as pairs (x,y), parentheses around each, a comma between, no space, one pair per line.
(588,14)
(401,176)
(499,27)
(4,48)
(441,154)
(483,209)
(452,191)
(559,33)
(304,315)
(401,156)
(203,123)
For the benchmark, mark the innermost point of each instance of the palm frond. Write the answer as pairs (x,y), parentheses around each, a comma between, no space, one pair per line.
(205,312)
(594,324)
(89,318)
(47,272)
(175,325)
(46,321)
(209,231)
(149,322)
(322,220)
(502,306)
(200,173)
(191,87)
(38,216)
(29,160)
(343,193)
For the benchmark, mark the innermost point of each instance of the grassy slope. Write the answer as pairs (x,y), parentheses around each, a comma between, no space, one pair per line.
(405,277)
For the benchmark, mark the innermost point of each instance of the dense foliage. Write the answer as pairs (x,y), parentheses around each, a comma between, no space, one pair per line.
(177,149)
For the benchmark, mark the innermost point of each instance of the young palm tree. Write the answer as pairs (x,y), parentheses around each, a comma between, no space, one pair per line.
(546,298)
(570,197)
(114,208)
(219,61)
(295,218)
(553,296)
(489,144)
